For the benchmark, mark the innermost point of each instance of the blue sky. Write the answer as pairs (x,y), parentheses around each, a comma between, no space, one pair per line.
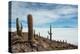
(44,14)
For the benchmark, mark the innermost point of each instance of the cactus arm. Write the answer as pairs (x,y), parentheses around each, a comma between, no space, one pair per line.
(34,33)
(21,27)
(18,28)
(17,25)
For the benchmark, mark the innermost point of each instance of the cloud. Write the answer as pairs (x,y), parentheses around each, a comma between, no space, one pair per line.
(59,15)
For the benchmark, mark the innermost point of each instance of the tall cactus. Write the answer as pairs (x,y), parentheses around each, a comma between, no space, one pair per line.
(50,33)
(30,28)
(19,29)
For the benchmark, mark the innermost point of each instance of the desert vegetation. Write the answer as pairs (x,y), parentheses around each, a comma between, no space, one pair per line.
(29,41)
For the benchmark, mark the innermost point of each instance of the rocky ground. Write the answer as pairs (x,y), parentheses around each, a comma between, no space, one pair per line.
(20,44)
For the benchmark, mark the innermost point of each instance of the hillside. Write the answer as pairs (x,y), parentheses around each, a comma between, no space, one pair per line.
(21,44)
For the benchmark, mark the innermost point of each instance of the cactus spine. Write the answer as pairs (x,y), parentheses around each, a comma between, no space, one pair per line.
(30,28)
(19,29)
(50,33)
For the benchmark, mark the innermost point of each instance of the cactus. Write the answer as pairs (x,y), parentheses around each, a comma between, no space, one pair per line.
(39,34)
(47,37)
(19,29)
(30,28)
(17,25)
(34,34)
(50,33)
(65,41)
(60,40)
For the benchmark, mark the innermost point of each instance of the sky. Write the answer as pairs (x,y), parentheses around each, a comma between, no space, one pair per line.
(62,17)
(44,14)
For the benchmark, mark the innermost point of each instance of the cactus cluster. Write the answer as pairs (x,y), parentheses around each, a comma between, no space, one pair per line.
(50,33)
(31,36)
(18,28)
